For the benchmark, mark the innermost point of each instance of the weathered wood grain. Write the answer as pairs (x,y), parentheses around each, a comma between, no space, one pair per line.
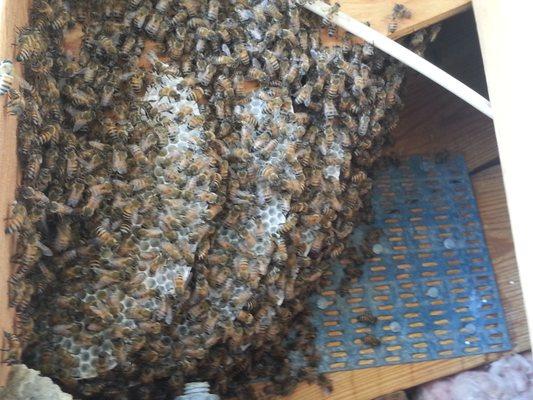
(424,13)
(13,14)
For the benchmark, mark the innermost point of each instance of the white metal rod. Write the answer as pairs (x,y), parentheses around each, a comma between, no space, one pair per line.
(399,52)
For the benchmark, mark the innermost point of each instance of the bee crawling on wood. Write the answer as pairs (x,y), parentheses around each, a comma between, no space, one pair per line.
(18,216)
(14,349)
(399,11)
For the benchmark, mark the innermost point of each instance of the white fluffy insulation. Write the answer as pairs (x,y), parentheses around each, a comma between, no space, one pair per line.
(510,378)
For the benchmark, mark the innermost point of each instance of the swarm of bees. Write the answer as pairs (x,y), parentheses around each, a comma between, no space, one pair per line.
(171,221)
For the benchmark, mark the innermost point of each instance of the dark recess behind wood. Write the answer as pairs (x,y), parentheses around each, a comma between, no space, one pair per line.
(434,119)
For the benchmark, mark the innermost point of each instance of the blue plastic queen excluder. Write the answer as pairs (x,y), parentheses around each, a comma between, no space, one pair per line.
(431,282)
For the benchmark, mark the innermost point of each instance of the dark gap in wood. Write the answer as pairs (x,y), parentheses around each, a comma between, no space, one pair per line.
(489,164)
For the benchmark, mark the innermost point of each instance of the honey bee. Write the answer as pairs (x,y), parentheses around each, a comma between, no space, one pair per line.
(17,219)
(32,251)
(196,94)
(105,237)
(271,62)
(153,25)
(367,318)
(105,46)
(34,115)
(60,209)
(249,120)
(107,95)
(291,74)
(225,85)
(303,96)
(272,10)
(330,111)
(300,207)
(393,25)
(33,166)
(180,284)
(133,4)
(33,195)
(334,87)
(207,75)
(79,98)
(245,317)
(140,184)
(293,186)
(162,6)
(63,237)
(195,121)
(138,154)
(350,123)
(273,106)
(179,18)
(400,11)
(269,173)
(242,54)
(43,8)
(49,134)
(305,64)
(30,43)
(241,154)
(14,349)
(207,34)
(289,36)
(16,103)
(289,224)
(92,204)
(257,75)
(364,121)
(137,82)
(119,163)
(174,48)
(368,49)
(371,340)
(6,76)
(61,21)
(82,119)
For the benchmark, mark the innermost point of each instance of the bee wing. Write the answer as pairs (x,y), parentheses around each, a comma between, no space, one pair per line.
(256,63)
(315,54)
(225,49)
(245,14)
(6,67)
(45,249)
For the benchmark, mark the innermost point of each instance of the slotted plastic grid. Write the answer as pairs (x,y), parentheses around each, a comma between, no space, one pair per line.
(431,282)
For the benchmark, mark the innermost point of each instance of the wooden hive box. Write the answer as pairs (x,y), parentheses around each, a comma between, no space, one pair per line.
(432,120)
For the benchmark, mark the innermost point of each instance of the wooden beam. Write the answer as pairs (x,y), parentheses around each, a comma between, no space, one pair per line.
(13,14)
(424,13)
(502,28)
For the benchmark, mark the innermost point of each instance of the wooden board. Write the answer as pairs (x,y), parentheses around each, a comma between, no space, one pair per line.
(498,25)
(434,120)
(13,14)
(424,13)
